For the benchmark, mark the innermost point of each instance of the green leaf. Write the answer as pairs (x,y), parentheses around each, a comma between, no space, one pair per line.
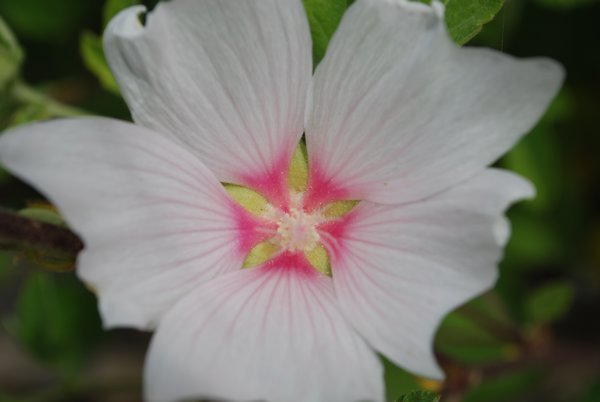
(56,320)
(11,55)
(323,17)
(419,396)
(505,387)
(549,302)
(113,7)
(95,61)
(465,18)
(479,332)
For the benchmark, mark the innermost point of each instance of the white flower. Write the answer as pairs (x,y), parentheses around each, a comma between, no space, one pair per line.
(395,116)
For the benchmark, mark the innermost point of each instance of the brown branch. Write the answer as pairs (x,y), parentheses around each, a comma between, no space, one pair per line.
(21,233)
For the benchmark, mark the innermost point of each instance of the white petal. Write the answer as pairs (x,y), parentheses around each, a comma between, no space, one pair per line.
(226,78)
(400,113)
(272,334)
(399,269)
(155,221)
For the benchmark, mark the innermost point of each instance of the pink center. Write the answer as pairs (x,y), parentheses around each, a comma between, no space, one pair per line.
(294,223)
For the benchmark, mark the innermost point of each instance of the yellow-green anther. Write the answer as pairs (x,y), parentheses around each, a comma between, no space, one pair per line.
(298,173)
(250,200)
(260,253)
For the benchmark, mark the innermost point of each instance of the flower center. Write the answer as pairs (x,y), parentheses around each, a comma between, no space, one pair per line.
(297,231)
(290,229)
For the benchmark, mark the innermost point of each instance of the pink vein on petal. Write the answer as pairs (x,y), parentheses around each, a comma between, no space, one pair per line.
(272,183)
(321,189)
(251,230)
(292,263)
(334,233)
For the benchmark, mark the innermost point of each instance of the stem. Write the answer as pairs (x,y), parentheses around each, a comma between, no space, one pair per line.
(27,94)
(21,233)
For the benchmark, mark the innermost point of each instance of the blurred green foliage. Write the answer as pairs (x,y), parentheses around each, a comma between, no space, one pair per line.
(95,61)
(419,396)
(45,21)
(479,332)
(397,381)
(323,17)
(511,344)
(549,302)
(56,320)
(5,263)
(565,4)
(91,46)
(11,56)
(509,386)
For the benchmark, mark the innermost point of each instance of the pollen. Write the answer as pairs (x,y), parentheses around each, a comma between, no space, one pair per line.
(297,231)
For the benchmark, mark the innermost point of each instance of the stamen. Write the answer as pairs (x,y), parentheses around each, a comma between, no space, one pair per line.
(297,231)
